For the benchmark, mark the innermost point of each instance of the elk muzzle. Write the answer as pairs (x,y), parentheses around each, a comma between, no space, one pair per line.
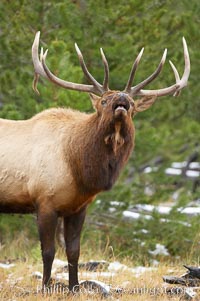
(121,105)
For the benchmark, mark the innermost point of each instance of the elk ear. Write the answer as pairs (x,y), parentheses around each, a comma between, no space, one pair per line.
(144,103)
(94,99)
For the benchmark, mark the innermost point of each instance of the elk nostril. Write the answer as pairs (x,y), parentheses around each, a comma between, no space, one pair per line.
(122,97)
(122,94)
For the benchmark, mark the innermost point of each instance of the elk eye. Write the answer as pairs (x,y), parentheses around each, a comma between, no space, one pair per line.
(104,103)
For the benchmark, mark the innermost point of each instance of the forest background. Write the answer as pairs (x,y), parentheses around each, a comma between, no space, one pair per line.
(170,130)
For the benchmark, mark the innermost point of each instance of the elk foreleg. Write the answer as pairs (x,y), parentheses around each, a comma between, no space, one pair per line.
(72,231)
(47,222)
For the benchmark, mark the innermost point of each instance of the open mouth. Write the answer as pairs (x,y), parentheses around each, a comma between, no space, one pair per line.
(121,107)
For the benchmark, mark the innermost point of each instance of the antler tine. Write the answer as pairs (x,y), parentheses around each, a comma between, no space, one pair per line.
(91,79)
(133,70)
(41,53)
(37,62)
(65,84)
(177,77)
(106,71)
(41,68)
(186,70)
(187,62)
(149,79)
(176,74)
(180,82)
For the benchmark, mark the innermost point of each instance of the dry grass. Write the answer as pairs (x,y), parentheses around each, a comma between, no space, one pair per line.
(17,283)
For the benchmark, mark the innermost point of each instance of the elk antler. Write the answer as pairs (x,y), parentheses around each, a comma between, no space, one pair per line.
(42,69)
(174,89)
(96,88)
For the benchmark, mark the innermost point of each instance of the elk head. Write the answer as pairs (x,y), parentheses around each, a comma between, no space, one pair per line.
(120,104)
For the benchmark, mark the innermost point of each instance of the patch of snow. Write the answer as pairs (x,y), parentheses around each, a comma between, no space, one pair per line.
(194,165)
(192,173)
(116,266)
(148,190)
(170,271)
(166,220)
(155,262)
(57,263)
(194,203)
(98,274)
(86,274)
(138,271)
(173,171)
(6,266)
(99,261)
(190,210)
(163,209)
(130,214)
(147,217)
(111,209)
(61,276)
(177,172)
(147,169)
(37,275)
(144,231)
(150,169)
(179,164)
(145,207)
(190,294)
(116,203)
(135,215)
(160,250)
(175,195)
(136,239)
(125,284)
(151,208)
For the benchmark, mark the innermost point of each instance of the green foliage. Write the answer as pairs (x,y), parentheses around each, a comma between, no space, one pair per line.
(122,28)
(11,225)
(178,233)
(18,235)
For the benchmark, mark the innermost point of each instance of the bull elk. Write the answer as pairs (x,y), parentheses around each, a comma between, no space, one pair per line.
(55,163)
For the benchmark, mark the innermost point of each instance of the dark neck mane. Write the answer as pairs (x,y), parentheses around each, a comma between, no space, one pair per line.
(99,151)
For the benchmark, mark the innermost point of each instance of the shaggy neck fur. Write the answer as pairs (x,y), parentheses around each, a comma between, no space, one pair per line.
(99,151)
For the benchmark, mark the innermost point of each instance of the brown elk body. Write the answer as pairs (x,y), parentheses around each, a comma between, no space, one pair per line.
(55,163)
